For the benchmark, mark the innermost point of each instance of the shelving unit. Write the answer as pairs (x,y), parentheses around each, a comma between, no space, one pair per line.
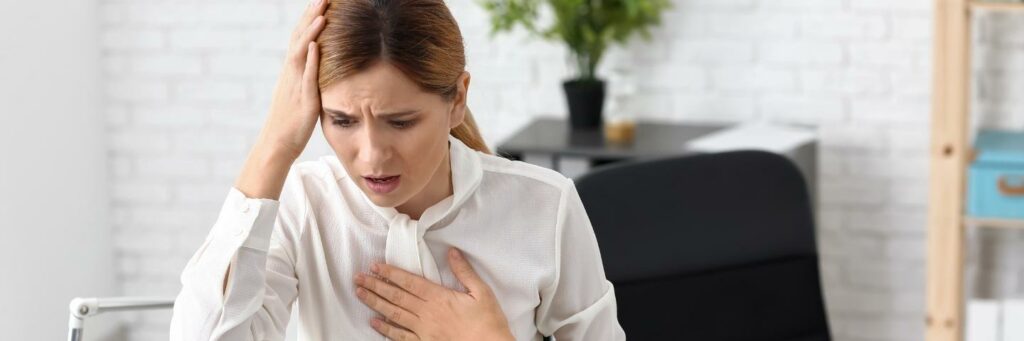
(998,223)
(950,152)
(995,6)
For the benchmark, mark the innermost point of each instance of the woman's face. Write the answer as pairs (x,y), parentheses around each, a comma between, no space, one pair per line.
(391,136)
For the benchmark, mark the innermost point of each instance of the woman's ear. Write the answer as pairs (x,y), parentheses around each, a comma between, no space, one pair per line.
(458,113)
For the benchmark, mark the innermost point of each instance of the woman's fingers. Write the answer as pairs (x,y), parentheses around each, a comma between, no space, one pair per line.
(416,285)
(441,314)
(393,294)
(315,8)
(393,312)
(464,272)
(392,332)
(310,76)
(302,47)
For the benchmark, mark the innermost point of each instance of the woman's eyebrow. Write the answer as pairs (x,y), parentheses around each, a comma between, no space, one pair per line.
(381,115)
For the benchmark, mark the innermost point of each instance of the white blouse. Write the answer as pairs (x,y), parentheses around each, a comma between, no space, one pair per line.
(522,227)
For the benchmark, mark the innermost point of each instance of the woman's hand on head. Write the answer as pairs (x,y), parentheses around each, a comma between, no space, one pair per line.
(294,111)
(296,105)
(418,309)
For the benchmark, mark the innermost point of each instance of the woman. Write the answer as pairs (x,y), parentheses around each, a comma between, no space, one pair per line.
(368,241)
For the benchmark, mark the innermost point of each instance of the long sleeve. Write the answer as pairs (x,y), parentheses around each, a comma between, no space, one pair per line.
(580,302)
(257,241)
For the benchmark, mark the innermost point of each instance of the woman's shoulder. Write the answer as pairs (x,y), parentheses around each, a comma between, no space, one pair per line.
(526,173)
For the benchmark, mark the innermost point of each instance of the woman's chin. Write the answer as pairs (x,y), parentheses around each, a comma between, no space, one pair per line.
(383,200)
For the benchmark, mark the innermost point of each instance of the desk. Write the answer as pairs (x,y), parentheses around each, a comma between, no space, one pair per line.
(552,137)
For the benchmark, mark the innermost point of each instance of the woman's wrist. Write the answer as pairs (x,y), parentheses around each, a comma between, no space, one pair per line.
(265,171)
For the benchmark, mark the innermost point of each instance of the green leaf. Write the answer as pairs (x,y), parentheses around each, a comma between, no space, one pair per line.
(587,27)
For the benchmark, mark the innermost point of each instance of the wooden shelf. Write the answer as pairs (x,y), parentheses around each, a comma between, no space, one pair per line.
(951,75)
(994,222)
(981,5)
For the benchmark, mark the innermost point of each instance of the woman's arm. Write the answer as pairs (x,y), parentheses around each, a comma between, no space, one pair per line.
(252,300)
(294,111)
(580,302)
(241,283)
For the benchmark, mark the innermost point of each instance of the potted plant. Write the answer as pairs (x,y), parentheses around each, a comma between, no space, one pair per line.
(587,27)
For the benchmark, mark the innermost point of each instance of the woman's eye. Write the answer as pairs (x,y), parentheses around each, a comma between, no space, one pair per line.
(402,124)
(342,122)
(345,123)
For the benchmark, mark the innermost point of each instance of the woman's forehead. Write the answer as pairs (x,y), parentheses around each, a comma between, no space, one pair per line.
(381,87)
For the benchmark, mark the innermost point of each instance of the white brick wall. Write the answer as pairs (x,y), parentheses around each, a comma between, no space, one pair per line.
(188,84)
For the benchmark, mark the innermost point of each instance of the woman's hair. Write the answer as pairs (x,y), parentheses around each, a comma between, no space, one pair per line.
(419,37)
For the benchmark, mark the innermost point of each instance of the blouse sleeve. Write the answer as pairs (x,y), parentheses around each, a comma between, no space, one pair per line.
(255,240)
(580,302)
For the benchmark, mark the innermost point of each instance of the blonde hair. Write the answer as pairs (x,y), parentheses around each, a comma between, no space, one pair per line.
(419,37)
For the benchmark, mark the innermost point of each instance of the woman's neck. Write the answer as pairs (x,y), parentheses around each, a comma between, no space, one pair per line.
(439,188)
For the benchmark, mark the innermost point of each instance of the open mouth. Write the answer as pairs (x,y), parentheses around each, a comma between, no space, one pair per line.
(382,185)
(385,179)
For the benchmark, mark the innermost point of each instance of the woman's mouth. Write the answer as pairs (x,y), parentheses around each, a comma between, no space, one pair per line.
(382,185)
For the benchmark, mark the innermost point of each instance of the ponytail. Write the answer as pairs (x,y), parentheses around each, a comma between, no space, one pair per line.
(469,134)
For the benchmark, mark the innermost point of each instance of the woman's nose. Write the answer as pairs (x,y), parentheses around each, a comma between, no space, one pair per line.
(375,147)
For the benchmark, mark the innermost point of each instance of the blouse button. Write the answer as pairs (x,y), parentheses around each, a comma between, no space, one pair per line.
(245,207)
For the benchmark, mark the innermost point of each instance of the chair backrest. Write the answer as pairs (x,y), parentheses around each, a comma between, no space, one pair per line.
(709,247)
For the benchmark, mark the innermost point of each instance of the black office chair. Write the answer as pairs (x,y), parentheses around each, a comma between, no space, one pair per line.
(709,247)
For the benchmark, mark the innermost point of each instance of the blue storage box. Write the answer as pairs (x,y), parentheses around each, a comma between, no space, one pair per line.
(995,187)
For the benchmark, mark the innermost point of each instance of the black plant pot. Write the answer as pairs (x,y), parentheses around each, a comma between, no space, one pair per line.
(586,102)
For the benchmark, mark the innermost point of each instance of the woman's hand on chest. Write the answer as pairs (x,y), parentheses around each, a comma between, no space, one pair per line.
(418,309)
